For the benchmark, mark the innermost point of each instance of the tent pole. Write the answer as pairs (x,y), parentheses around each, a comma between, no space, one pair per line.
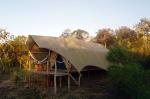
(55,83)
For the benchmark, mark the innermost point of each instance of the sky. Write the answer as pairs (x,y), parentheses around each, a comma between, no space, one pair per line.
(52,17)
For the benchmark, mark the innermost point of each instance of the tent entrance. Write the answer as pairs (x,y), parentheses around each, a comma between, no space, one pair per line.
(60,63)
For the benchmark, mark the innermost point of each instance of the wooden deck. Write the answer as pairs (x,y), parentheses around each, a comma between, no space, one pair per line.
(51,72)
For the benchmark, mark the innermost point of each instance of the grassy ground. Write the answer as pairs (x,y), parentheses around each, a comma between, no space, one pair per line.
(11,90)
(90,89)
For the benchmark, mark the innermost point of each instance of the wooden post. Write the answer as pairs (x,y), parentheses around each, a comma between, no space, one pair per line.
(69,81)
(60,81)
(55,83)
(68,71)
(29,70)
(76,82)
(20,63)
(79,79)
(88,75)
(47,69)
(47,77)
(29,63)
(48,62)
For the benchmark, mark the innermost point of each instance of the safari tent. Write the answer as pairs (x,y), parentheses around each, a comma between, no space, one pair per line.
(62,56)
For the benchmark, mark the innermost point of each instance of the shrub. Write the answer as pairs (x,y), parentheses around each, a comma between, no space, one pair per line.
(131,79)
(119,55)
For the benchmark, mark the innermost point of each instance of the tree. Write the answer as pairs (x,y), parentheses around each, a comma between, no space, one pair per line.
(143,27)
(126,33)
(105,36)
(125,36)
(20,53)
(80,34)
(4,48)
(13,52)
(143,30)
(4,35)
(66,33)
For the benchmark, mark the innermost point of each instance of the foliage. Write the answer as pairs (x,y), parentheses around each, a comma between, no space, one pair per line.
(143,60)
(105,37)
(13,56)
(66,33)
(4,36)
(131,79)
(13,52)
(126,33)
(143,31)
(125,37)
(17,74)
(143,27)
(78,34)
(20,50)
(118,55)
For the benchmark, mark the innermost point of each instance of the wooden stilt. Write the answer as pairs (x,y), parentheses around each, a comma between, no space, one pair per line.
(88,74)
(79,79)
(29,70)
(47,81)
(48,61)
(69,81)
(29,75)
(55,83)
(47,69)
(76,82)
(60,81)
(68,70)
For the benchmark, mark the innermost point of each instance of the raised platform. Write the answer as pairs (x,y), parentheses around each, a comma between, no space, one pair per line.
(51,72)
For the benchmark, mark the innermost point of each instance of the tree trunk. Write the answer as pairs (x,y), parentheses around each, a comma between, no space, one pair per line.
(105,45)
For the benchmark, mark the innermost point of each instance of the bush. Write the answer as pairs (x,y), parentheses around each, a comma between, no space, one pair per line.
(119,55)
(131,79)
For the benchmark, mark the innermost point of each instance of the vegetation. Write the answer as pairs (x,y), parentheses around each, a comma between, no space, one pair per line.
(105,37)
(130,78)
(78,34)
(13,55)
(118,55)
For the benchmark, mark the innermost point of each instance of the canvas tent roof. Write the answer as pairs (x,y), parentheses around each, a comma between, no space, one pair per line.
(78,52)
